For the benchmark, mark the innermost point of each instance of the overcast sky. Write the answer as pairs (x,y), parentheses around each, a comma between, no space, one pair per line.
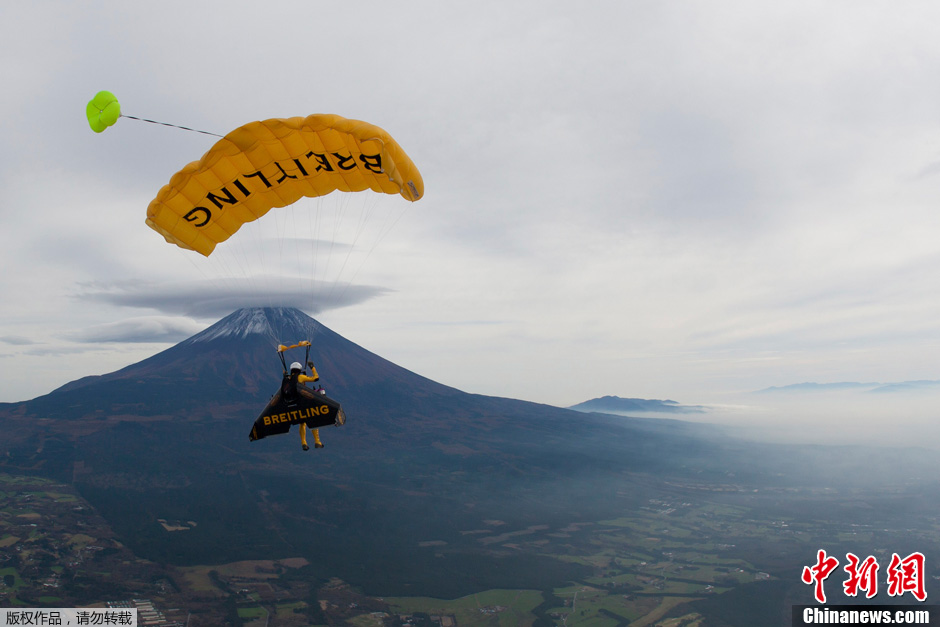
(655,199)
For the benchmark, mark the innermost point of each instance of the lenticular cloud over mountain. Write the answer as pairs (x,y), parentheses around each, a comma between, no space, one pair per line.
(210,299)
(142,329)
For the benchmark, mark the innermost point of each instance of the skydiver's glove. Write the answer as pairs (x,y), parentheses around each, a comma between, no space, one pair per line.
(310,365)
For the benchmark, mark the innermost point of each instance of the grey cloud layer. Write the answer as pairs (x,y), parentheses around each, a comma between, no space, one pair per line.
(210,300)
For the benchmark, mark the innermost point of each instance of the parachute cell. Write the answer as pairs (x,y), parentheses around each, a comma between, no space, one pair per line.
(102,111)
(273,163)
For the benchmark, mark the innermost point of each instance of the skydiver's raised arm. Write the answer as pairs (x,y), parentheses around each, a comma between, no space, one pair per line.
(313,375)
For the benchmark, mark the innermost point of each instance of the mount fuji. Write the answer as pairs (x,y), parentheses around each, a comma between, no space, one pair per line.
(394,494)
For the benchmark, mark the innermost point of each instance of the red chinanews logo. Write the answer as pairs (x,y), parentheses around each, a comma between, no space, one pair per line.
(903,575)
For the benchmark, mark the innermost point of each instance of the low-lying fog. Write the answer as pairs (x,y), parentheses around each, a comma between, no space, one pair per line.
(867,415)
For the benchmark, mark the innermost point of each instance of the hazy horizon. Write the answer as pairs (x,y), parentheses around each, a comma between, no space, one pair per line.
(647,199)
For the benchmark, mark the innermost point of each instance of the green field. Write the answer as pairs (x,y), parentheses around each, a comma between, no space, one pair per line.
(17,581)
(252,613)
(493,607)
(288,608)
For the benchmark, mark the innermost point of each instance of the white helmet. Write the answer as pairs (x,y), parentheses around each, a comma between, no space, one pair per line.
(296,366)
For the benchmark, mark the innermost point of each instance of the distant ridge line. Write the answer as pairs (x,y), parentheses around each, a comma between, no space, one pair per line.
(876,387)
(616,404)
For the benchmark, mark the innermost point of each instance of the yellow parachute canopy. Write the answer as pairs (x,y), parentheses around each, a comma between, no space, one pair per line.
(263,165)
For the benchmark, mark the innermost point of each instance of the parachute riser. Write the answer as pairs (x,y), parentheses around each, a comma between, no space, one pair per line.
(184,128)
(281,349)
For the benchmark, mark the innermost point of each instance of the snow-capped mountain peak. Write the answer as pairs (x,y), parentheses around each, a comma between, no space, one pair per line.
(280,324)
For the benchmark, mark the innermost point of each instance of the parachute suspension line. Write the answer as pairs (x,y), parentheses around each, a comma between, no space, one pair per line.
(185,128)
(383,232)
(199,268)
(211,274)
(233,267)
(275,334)
(305,224)
(387,228)
(299,216)
(282,230)
(312,253)
(234,264)
(357,232)
(261,284)
(338,214)
(367,207)
(292,244)
(281,265)
(313,233)
(315,221)
(366,218)
(339,217)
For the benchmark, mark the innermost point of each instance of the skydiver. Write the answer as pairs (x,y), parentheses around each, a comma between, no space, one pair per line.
(297,376)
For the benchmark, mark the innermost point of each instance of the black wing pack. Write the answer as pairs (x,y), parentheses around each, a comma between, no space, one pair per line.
(305,406)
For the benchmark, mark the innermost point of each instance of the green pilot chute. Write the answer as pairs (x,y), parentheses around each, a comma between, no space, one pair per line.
(102,111)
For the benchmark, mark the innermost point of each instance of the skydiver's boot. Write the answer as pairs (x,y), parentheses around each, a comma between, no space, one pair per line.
(303,436)
(316,438)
